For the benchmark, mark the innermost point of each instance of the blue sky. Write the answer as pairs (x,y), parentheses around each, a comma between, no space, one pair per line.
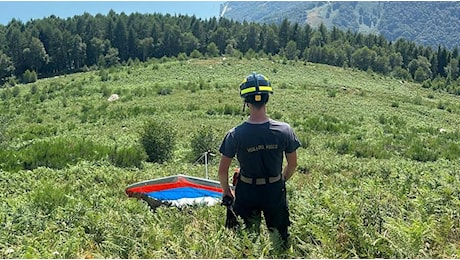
(26,10)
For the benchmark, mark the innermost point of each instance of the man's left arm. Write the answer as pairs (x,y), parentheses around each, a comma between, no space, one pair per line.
(291,165)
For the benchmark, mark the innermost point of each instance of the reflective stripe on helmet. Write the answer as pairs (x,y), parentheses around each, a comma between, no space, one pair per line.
(266,88)
(254,89)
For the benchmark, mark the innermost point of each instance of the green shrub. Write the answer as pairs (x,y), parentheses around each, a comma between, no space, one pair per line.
(359,148)
(34,89)
(391,120)
(367,150)
(326,123)
(202,84)
(59,152)
(164,91)
(225,110)
(155,66)
(451,151)
(204,140)
(230,110)
(9,161)
(182,56)
(441,105)
(3,127)
(192,107)
(401,74)
(6,94)
(128,156)
(16,91)
(332,92)
(104,74)
(276,115)
(418,100)
(426,84)
(158,139)
(305,139)
(106,92)
(420,151)
(344,147)
(50,196)
(29,77)
(196,54)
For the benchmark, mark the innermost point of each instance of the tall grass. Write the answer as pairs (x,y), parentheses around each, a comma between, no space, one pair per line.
(377,174)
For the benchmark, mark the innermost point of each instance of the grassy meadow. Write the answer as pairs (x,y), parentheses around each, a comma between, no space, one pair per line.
(378,173)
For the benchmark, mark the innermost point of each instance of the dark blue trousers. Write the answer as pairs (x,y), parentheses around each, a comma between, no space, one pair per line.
(251,200)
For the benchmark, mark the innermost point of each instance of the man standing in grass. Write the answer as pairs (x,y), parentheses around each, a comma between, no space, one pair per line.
(260,144)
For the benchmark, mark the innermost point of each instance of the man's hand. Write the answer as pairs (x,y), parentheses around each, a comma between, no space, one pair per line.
(231,220)
(227,200)
(228,193)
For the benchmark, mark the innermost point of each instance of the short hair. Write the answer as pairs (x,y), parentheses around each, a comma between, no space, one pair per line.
(257,100)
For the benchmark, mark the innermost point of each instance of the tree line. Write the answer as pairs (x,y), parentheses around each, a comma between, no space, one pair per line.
(54,46)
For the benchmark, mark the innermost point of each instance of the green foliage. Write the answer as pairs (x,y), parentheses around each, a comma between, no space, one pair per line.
(374,180)
(164,91)
(421,75)
(204,140)
(212,50)
(104,74)
(401,74)
(226,109)
(325,123)
(3,134)
(305,139)
(421,151)
(126,157)
(283,42)
(158,139)
(49,197)
(182,56)
(57,153)
(332,92)
(395,19)
(195,54)
(29,77)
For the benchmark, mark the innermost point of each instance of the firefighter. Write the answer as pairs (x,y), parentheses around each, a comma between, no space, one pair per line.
(260,145)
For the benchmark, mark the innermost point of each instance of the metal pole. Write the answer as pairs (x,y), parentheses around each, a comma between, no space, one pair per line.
(206,163)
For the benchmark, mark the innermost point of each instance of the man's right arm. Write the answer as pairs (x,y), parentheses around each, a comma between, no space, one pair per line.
(223,175)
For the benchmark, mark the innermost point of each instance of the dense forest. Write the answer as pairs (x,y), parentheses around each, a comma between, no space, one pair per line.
(54,46)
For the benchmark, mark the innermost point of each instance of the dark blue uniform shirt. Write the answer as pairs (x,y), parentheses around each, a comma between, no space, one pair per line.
(260,148)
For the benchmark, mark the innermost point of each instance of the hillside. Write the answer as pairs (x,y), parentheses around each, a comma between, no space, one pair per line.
(429,23)
(377,175)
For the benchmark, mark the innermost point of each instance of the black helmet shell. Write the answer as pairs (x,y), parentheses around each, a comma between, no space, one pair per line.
(255,84)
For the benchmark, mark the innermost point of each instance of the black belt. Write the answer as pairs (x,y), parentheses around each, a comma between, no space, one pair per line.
(260,181)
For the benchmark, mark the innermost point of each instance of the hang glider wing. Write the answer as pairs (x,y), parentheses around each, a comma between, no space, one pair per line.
(177,190)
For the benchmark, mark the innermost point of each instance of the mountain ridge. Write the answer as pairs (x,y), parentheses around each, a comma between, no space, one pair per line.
(425,23)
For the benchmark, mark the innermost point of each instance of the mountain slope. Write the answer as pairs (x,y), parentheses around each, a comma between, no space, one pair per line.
(374,163)
(426,23)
